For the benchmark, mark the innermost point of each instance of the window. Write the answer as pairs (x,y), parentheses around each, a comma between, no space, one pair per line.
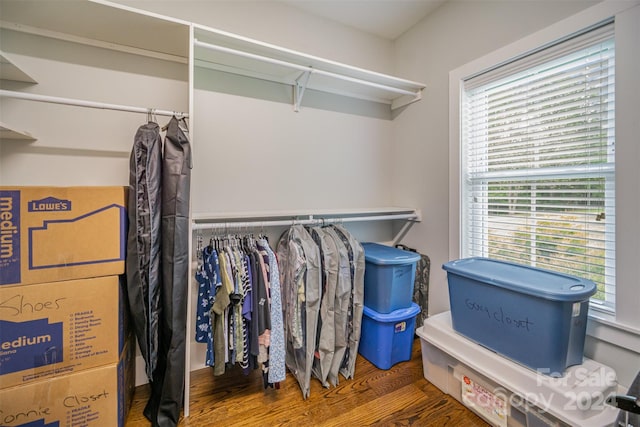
(538,160)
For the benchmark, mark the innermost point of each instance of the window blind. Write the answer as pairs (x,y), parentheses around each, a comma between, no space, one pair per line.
(538,144)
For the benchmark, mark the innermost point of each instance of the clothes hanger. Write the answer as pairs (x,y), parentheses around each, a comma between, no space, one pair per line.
(165,127)
(180,118)
(183,119)
(151,116)
(199,247)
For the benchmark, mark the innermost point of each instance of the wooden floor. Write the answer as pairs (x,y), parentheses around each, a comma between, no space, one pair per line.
(399,396)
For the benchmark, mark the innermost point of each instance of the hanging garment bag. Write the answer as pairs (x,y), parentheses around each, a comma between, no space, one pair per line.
(341,305)
(298,261)
(421,285)
(312,298)
(357,301)
(326,335)
(167,394)
(143,241)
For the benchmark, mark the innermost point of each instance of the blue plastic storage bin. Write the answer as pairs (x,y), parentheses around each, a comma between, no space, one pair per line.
(388,277)
(387,338)
(532,316)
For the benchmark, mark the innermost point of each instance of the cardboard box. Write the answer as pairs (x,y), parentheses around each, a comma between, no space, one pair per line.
(95,397)
(50,234)
(53,329)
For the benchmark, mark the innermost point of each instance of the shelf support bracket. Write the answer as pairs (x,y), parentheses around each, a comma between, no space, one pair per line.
(406,100)
(406,227)
(403,232)
(299,88)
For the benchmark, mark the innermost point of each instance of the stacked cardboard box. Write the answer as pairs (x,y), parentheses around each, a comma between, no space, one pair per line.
(99,396)
(48,234)
(66,354)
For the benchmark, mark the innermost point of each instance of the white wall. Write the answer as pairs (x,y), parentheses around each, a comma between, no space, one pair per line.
(258,155)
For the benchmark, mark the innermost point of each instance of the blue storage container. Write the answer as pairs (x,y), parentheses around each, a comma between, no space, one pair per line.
(388,277)
(533,316)
(387,338)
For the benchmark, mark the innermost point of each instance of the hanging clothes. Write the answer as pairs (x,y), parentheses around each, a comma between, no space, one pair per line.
(243,313)
(299,307)
(143,241)
(248,362)
(277,371)
(245,308)
(263,311)
(219,312)
(209,280)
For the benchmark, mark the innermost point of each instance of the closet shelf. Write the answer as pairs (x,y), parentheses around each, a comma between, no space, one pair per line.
(10,71)
(7,132)
(235,54)
(101,23)
(109,25)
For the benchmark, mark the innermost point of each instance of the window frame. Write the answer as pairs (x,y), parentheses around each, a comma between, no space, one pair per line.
(626,16)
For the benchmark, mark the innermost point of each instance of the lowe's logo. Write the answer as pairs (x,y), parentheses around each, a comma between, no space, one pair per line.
(49,204)
(30,344)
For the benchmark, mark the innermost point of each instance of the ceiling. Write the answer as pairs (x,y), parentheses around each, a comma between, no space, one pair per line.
(386,18)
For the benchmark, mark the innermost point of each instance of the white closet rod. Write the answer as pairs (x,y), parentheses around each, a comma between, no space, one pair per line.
(303,68)
(309,221)
(89,104)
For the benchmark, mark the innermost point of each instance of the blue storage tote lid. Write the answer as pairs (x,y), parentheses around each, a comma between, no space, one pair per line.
(524,279)
(386,255)
(394,316)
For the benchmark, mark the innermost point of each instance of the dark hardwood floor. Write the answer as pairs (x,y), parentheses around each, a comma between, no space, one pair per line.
(399,396)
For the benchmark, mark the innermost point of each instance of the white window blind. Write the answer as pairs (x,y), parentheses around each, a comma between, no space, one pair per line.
(538,161)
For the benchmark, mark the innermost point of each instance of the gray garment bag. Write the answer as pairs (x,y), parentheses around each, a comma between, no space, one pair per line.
(357,300)
(157,263)
(341,306)
(176,180)
(326,335)
(300,276)
(143,241)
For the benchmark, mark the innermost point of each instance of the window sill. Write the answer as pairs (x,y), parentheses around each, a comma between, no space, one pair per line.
(603,326)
